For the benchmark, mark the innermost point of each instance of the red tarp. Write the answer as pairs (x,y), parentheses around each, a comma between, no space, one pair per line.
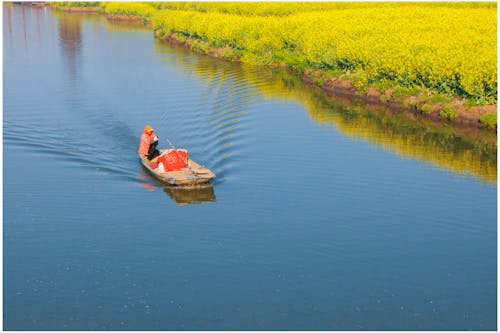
(173,160)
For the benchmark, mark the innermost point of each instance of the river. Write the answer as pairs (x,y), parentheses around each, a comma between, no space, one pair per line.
(326,213)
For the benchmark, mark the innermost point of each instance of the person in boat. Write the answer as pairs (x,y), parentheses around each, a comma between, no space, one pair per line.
(148,143)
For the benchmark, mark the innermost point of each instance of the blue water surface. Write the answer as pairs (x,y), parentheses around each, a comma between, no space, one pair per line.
(305,227)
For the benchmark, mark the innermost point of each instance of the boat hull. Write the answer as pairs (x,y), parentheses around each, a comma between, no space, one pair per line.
(194,175)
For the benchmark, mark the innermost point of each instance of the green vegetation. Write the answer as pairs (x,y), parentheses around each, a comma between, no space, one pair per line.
(448,112)
(75,4)
(489,119)
(134,9)
(439,98)
(427,108)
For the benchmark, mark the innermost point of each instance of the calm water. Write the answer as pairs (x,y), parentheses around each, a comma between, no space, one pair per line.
(326,215)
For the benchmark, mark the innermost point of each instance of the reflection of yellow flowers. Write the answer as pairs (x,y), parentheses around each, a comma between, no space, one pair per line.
(464,151)
(450,47)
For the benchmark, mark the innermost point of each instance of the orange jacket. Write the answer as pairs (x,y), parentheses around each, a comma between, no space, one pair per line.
(146,140)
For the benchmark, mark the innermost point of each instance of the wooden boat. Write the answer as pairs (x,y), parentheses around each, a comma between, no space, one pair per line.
(194,174)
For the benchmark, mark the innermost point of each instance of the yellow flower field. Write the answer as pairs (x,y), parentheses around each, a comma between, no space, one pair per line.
(446,48)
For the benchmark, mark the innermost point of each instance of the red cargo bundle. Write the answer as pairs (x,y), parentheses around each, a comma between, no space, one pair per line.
(173,160)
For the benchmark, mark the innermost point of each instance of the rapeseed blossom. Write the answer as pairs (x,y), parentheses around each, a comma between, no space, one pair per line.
(446,47)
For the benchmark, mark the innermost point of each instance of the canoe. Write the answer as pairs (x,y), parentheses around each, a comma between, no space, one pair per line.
(193,175)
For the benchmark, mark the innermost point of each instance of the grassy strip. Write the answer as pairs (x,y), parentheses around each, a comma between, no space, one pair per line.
(144,11)
(75,4)
(489,119)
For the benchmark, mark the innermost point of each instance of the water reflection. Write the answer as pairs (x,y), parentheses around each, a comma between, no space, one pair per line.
(126,26)
(70,40)
(191,195)
(462,150)
(8,12)
(24,23)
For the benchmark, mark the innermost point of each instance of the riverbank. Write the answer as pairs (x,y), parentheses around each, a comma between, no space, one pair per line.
(435,83)
(77,7)
(443,108)
(454,111)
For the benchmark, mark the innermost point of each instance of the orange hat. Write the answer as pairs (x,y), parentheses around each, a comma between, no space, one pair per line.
(148,129)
